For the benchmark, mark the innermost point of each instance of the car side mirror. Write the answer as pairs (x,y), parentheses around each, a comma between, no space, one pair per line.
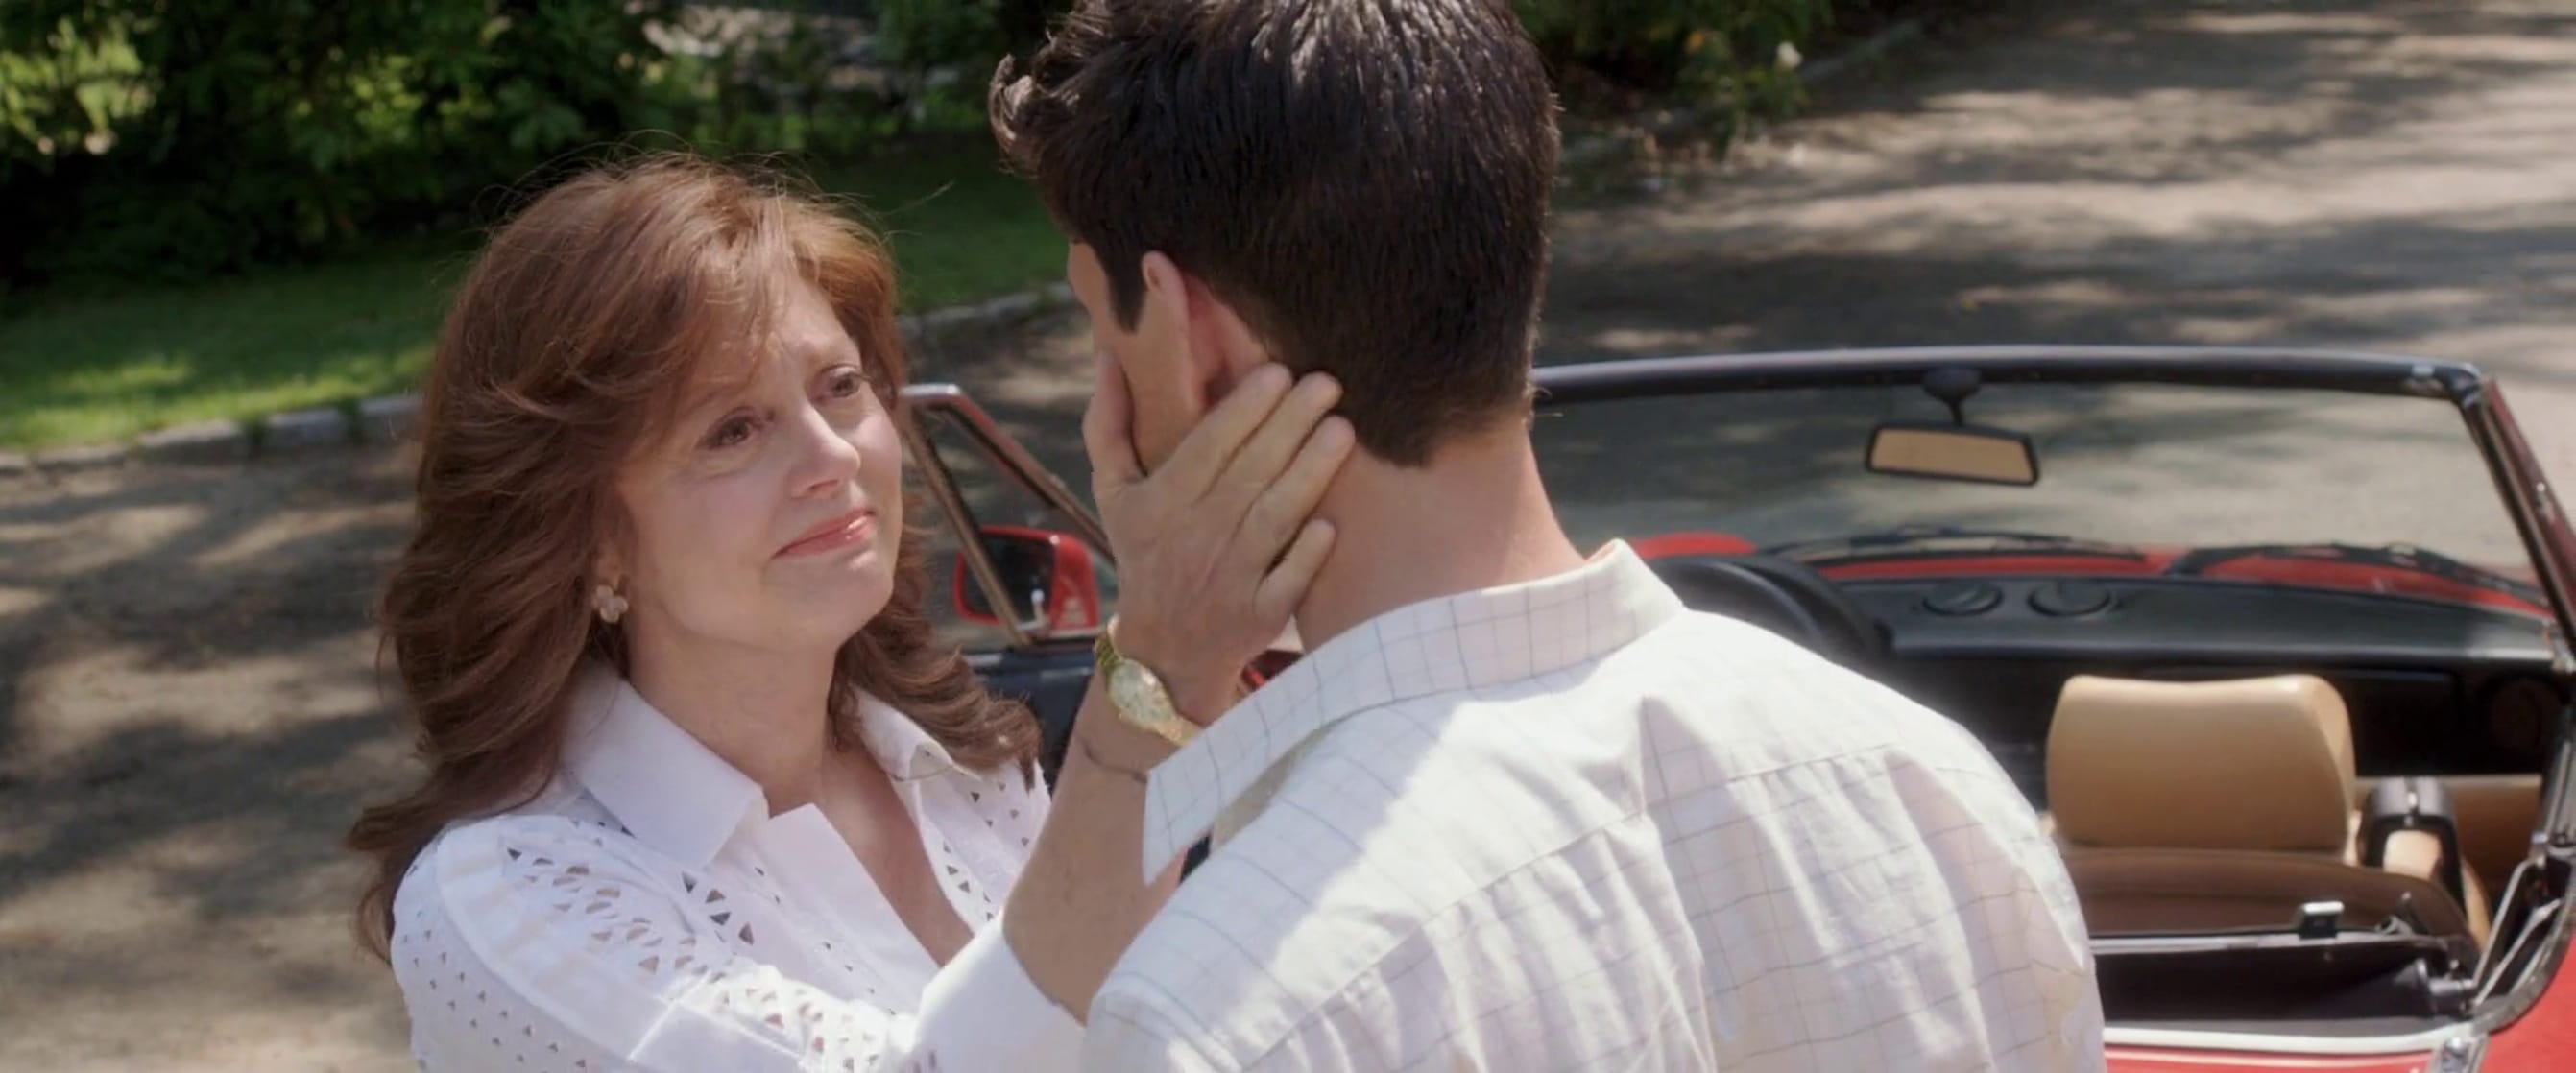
(1953,452)
(1052,579)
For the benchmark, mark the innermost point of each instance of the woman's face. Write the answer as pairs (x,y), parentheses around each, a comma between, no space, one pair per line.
(768,517)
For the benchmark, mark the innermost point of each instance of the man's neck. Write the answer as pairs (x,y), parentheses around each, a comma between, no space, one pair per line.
(1476,517)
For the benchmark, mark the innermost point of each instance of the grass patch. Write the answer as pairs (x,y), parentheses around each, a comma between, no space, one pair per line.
(104,367)
(95,367)
(962,228)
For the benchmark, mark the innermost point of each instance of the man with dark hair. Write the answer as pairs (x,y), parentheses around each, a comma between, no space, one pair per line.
(1516,808)
(1372,203)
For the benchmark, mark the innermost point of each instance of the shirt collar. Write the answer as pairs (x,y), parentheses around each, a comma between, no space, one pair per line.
(664,785)
(668,789)
(906,751)
(1472,640)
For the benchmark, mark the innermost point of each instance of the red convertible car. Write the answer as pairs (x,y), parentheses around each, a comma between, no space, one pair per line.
(2274,640)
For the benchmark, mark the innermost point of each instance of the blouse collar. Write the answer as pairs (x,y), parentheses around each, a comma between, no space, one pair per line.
(671,791)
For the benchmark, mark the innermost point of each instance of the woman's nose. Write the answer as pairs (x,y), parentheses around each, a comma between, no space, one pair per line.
(829,459)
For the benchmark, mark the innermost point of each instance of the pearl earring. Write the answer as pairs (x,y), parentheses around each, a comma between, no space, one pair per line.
(610,603)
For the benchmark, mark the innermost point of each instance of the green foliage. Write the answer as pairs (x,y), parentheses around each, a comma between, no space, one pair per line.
(1613,52)
(171,139)
(925,35)
(944,51)
(58,85)
(1741,50)
(801,86)
(265,129)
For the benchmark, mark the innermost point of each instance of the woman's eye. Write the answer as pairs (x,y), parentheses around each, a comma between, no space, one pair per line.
(846,382)
(731,432)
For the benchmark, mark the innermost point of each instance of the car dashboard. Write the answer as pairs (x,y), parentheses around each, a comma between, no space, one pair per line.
(2430,686)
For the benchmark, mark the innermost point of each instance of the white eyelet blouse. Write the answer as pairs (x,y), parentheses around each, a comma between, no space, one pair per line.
(646,912)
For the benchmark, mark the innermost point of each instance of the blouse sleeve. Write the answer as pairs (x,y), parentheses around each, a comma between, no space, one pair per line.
(522,943)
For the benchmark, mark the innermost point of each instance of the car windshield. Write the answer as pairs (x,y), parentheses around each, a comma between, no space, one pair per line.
(2145,465)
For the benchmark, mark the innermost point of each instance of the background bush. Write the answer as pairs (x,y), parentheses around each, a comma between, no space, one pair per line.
(1609,50)
(180,138)
(145,139)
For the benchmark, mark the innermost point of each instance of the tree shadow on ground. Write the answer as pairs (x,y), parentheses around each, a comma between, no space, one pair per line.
(190,717)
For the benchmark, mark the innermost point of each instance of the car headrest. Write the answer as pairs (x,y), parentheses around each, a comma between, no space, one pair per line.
(2246,764)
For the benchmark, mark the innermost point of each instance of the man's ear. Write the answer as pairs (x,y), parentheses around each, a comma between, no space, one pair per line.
(1169,321)
(1222,332)
(1217,344)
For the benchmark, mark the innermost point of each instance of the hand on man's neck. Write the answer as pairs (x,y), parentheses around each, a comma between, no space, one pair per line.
(1476,517)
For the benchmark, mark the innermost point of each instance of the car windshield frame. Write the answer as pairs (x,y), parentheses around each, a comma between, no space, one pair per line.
(2460,384)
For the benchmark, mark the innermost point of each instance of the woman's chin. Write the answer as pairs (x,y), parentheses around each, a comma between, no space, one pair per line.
(845,603)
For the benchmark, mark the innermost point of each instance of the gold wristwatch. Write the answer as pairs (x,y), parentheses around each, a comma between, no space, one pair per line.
(1138,695)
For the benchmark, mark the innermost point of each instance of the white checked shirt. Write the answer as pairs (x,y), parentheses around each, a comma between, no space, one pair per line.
(647,912)
(1569,825)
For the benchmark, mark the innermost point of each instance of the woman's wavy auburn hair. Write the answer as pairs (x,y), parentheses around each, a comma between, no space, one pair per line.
(577,337)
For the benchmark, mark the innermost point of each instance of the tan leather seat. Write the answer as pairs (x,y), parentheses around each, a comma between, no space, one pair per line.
(2195,806)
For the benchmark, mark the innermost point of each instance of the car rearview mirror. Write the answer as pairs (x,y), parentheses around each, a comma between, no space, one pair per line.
(1052,580)
(1954,453)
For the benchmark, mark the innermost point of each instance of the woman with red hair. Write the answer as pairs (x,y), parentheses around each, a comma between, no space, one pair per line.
(703,789)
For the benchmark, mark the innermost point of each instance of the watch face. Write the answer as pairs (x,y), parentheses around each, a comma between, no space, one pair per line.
(1138,696)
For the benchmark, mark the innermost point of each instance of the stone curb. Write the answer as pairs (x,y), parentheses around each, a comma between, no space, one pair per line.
(389,419)
(991,312)
(83,459)
(201,443)
(304,430)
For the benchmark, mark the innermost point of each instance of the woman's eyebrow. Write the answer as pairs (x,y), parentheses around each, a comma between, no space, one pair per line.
(820,350)
(705,398)
(708,399)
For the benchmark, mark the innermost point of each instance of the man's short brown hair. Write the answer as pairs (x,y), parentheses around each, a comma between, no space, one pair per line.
(1366,181)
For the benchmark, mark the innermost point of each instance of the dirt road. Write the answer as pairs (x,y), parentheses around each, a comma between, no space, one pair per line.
(188,707)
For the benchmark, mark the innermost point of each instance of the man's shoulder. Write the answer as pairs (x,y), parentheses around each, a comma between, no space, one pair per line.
(1730,670)
(1751,710)
(1719,643)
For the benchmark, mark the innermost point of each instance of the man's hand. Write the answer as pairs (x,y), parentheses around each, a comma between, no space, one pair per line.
(1215,550)
(1216,547)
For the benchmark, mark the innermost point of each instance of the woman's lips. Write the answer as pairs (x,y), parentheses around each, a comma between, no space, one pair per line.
(855,527)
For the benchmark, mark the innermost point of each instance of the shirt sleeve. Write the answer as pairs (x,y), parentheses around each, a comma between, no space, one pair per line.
(2021,867)
(527,943)
(2073,997)
(1130,1031)
(984,1012)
